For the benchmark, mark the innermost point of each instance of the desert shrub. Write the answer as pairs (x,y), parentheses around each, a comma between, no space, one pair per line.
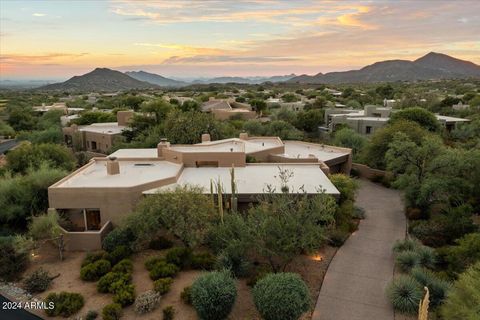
(112,311)
(203,261)
(346,185)
(105,283)
(65,304)
(146,302)
(407,260)
(124,266)
(405,294)
(168,313)
(438,288)
(12,259)
(465,253)
(163,270)
(160,243)
(338,237)
(162,285)
(125,295)
(258,274)
(92,257)
(234,262)
(37,281)
(213,295)
(118,237)
(118,254)
(91,315)
(93,271)
(408,244)
(186,295)
(281,296)
(427,257)
(358,213)
(179,256)
(152,261)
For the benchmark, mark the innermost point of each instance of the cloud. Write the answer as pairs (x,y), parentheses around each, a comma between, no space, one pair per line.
(37,59)
(36,14)
(225,59)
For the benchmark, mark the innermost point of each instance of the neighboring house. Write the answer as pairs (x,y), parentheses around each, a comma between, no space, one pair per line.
(223,109)
(294,106)
(56,106)
(389,103)
(460,106)
(100,194)
(97,137)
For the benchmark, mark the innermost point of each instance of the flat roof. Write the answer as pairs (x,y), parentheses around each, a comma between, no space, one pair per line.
(105,127)
(253,144)
(132,173)
(300,149)
(135,153)
(369,119)
(451,119)
(255,179)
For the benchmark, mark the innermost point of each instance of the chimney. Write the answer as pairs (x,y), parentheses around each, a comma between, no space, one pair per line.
(163,144)
(124,117)
(113,167)
(206,137)
(243,136)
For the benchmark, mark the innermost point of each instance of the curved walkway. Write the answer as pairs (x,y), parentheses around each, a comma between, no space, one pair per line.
(354,286)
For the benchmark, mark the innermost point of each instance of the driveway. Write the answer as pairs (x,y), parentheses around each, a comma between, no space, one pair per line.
(355,283)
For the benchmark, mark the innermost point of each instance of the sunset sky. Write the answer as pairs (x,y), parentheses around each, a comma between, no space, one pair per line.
(59,39)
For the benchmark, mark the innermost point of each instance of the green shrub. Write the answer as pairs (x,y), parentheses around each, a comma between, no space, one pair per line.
(93,271)
(118,254)
(112,311)
(358,213)
(162,285)
(405,294)
(438,288)
(105,284)
(203,261)
(37,281)
(258,274)
(408,244)
(12,260)
(91,315)
(186,295)
(234,262)
(65,304)
(168,313)
(146,302)
(427,257)
(407,260)
(179,256)
(160,243)
(213,295)
(346,185)
(163,270)
(92,257)
(152,261)
(338,237)
(281,296)
(118,237)
(124,266)
(125,295)
(465,253)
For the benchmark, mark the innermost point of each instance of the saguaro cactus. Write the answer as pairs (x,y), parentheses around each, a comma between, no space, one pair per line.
(233,198)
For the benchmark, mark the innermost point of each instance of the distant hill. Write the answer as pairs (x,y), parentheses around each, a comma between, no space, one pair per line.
(246,80)
(100,79)
(155,79)
(431,66)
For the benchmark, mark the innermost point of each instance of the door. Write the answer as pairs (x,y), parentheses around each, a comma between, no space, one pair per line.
(93,219)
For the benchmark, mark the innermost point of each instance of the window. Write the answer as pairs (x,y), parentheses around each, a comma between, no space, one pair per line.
(94,145)
(93,220)
(143,164)
(368,130)
(206,164)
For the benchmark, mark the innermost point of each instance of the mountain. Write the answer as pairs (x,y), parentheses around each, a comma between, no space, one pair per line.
(155,79)
(246,80)
(431,66)
(100,79)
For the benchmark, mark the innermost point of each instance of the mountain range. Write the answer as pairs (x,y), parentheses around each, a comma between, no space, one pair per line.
(431,66)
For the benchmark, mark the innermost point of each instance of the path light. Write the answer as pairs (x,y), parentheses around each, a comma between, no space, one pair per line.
(317,257)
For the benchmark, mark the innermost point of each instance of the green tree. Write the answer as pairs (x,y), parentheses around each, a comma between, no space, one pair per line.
(258,105)
(89,117)
(21,119)
(283,129)
(6,130)
(190,105)
(309,120)
(423,117)
(348,138)
(289,97)
(157,108)
(188,127)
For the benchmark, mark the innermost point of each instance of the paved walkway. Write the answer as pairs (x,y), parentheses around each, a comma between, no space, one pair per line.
(354,286)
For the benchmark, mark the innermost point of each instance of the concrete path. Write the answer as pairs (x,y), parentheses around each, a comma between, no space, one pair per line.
(354,286)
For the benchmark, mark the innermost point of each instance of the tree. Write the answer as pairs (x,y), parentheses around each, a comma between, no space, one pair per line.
(258,105)
(309,120)
(289,97)
(349,138)
(90,117)
(21,119)
(423,117)
(190,105)
(6,130)
(254,128)
(385,91)
(282,129)
(157,108)
(188,127)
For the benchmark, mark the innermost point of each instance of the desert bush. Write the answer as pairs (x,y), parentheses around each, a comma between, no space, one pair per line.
(152,261)
(465,253)
(12,259)
(407,260)
(162,285)
(160,243)
(427,257)
(163,270)
(258,273)
(186,295)
(93,271)
(405,294)
(112,311)
(438,288)
(234,262)
(65,304)
(338,237)
(346,185)
(146,302)
(91,315)
(281,296)
(118,237)
(37,281)
(358,213)
(408,244)
(179,256)
(168,313)
(105,284)
(124,295)
(203,261)
(118,254)
(92,257)
(213,295)
(124,266)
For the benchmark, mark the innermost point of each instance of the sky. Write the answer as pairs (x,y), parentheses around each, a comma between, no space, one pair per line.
(58,39)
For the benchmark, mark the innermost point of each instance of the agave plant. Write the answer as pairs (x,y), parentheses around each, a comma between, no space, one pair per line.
(405,294)
(407,260)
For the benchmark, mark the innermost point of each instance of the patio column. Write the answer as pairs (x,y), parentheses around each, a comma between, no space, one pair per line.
(85,219)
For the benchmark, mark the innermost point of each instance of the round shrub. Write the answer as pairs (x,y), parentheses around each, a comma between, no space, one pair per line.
(112,311)
(203,261)
(168,313)
(146,302)
(438,288)
(427,257)
(91,315)
(124,266)
(234,262)
(408,244)
(405,294)
(163,285)
(93,271)
(163,270)
(105,284)
(118,237)
(37,281)
(281,296)
(152,261)
(186,295)
(179,256)
(125,295)
(91,257)
(65,304)
(118,254)
(213,295)
(160,243)
(338,237)
(407,260)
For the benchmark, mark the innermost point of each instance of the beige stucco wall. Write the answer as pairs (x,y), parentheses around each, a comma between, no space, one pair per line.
(224,114)
(225,159)
(87,240)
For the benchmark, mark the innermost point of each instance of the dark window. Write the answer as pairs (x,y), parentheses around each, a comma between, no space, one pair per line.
(206,164)
(368,129)
(93,219)
(94,145)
